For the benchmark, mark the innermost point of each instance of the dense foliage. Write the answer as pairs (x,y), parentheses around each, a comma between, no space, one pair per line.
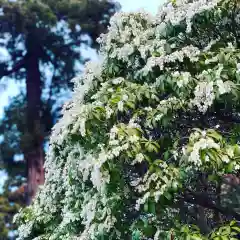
(148,148)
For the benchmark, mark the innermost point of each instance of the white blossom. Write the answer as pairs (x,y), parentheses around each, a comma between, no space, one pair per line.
(203,143)
(117,80)
(120,106)
(237,167)
(133,138)
(113,132)
(204,96)
(109,112)
(139,158)
(238,67)
(125,97)
(185,10)
(225,159)
(223,87)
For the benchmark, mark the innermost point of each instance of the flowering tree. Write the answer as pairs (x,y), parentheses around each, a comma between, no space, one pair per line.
(148,146)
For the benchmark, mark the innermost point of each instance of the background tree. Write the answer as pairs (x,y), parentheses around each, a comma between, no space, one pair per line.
(44,34)
(148,148)
(13,195)
(11,201)
(43,40)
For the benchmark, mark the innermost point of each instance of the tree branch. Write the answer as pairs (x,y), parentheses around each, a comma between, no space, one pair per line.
(226,117)
(203,200)
(15,68)
(71,44)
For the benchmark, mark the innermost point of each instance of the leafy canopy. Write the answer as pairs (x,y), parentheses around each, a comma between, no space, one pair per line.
(148,146)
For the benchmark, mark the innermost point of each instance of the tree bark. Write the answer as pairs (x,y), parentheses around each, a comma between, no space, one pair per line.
(34,152)
(204,200)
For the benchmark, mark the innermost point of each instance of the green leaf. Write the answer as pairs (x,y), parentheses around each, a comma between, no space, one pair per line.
(230,167)
(224,238)
(168,195)
(115,100)
(237,150)
(237,229)
(165,121)
(212,133)
(136,235)
(150,147)
(166,155)
(213,178)
(145,207)
(195,237)
(130,104)
(175,186)
(152,207)
(116,68)
(232,223)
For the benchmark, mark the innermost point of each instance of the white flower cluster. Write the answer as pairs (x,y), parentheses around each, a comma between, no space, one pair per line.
(224,87)
(202,144)
(189,52)
(85,82)
(162,109)
(130,33)
(82,85)
(210,83)
(179,10)
(204,96)
(210,44)
(183,78)
(206,141)
(154,185)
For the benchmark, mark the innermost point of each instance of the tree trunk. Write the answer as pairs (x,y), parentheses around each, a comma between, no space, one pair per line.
(34,152)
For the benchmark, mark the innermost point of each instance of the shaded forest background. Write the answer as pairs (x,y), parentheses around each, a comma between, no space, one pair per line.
(44,40)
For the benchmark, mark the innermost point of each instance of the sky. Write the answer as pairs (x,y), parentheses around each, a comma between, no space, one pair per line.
(133,5)
(12,89)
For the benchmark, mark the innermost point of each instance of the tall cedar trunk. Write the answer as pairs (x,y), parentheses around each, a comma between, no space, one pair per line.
(34,153)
